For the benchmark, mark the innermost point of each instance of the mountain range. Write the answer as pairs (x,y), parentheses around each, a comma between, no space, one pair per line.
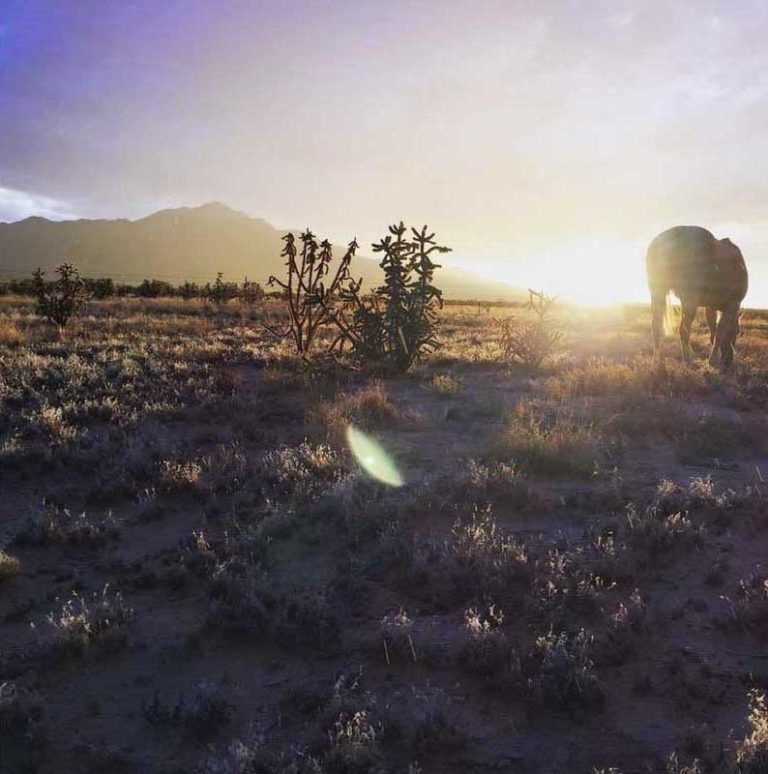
(180,244)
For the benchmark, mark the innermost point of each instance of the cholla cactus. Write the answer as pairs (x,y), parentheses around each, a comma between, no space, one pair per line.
(393,326)
(398,323)
(61,299)
(310,296)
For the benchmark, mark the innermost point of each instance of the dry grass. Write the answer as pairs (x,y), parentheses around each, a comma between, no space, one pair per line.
(639,377)
(444,384)
(9,566)
(530,571)
(548,444)
(752,751)
(10,334)
(368,407)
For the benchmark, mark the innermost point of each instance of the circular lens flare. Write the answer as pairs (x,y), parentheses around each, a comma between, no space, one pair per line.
(372,458)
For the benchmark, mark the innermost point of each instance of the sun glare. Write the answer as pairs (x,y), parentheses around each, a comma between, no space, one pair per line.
(592,271)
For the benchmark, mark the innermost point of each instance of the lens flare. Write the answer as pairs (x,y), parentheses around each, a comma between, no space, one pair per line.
(372,458)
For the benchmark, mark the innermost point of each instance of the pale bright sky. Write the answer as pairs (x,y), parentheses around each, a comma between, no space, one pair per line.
(546,142)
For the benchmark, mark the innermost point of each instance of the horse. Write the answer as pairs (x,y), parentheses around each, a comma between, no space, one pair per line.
(701,271)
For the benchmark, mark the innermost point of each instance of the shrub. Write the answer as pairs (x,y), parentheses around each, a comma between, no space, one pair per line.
(564,672)
(60,525)
(238,600)
(190,290)
(397,324)
(424,720)
(752,751)
(9,566)
(250,292)
(354,746)
(486,557)
(10,334)
(701,492)
(548,446)
(479,483)
(617,643)
(751,608)
(80,622)
(305,470)
(61,299)
(221,292)
(50,422)
(152,288)
(368,407)
(566,584)
(260,755)
(487,650)
(531,343)
(396,633)
(651,531)
(676,766)
(444,384)
(178,476)
(100,288)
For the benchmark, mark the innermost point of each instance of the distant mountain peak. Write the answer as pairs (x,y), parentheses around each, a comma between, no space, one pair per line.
(217,210)
(215,207)
(178,244)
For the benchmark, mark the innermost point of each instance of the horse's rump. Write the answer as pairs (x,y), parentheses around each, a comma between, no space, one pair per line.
(682,259)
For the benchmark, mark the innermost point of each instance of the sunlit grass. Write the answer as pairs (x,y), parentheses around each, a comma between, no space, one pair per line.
(641,376)
(9,566)
(548,445)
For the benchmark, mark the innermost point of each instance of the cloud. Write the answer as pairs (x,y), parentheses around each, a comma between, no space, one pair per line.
(16,205)
(511,128)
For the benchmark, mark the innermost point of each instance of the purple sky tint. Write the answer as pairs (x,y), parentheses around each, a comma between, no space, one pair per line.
(513,128)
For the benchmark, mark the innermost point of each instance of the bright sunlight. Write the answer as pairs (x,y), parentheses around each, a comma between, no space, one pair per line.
(595,271)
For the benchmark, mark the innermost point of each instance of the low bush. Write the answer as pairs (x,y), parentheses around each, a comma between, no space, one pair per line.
(752,751)
(353,744)
(9,566)
(80,622)
(563,672)
(531,343)
(651,531)
(59,525)
(548,446)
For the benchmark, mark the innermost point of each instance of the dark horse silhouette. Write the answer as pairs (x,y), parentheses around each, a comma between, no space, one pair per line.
(701,271)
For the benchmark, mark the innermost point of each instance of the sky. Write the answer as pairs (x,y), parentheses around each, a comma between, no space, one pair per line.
(546,142)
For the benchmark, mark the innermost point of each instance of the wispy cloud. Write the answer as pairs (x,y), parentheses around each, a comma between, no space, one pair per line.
(16,205)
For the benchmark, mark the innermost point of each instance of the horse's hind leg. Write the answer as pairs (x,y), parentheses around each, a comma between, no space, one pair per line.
(686,321)
(658,308)
(711,314)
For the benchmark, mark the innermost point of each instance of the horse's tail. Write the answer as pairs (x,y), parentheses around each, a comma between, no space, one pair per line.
(671,308)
